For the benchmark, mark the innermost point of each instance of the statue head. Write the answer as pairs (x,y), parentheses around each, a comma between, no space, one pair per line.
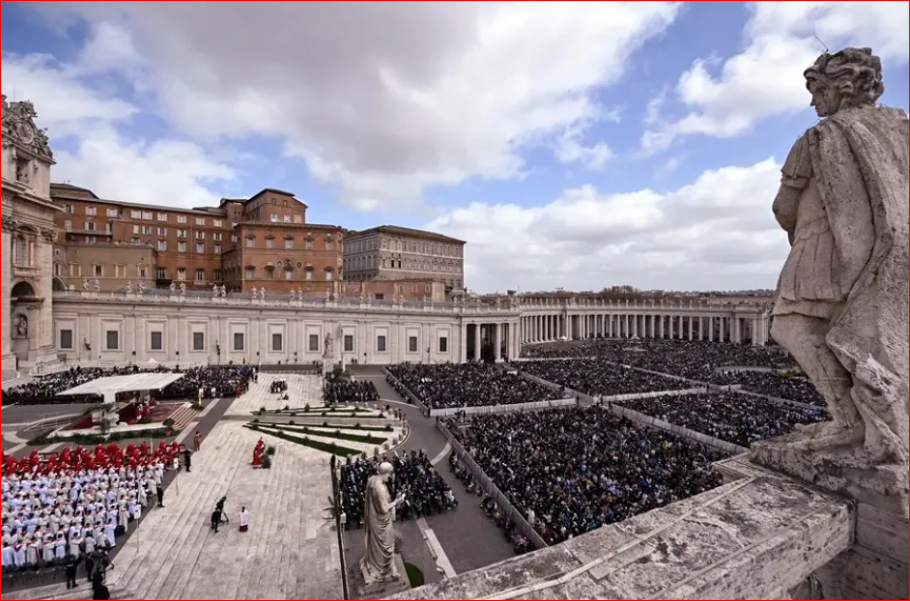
(851,78)
(385,471)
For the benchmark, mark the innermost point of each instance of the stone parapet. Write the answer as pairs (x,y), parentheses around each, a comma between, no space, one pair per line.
(750,539)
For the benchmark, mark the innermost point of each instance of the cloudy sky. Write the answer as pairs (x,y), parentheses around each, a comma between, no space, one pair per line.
(576,145)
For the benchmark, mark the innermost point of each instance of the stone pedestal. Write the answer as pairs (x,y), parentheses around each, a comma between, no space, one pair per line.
(8,368)
(384,590)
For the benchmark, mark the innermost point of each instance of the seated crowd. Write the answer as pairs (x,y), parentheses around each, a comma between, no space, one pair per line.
(572,471)
(427,493)
(735,418)
(773,384)
(596,377)
(701,361)
(215,382)
(450,385)
(339,391)
(77,503)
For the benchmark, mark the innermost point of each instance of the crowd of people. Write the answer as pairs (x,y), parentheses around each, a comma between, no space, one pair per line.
(341,391)
(214,381)
(779,386)
(735,418)
(458,385)
(709,362)
(596,377)
(426,491)
(72,507)
(571,471)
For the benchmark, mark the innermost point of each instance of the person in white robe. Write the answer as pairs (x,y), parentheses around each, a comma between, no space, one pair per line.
(49,547)
(244,520)
(89,540)
(19,556)
(60,547)
(7,554)
(110,533)
(76,545)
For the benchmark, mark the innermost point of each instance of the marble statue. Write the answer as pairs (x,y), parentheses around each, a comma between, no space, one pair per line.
(254,292)
(300,293)
(182,288)
(140,288)
(378,563)
(96,285)
(172,287)
(328,345)
(842,301)
(223,291)
(293,295)
(21,326)
(216,290)
(262,293)
(129,286)
(86,285)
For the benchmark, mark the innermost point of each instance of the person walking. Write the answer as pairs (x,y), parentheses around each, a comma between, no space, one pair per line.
(72,567)
(160,492)
(187,460)
(197,441)
(244,520)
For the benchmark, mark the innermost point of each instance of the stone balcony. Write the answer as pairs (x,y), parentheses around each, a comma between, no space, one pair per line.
(758,537)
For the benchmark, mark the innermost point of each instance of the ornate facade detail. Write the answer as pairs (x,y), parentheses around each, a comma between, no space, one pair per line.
(19,129)
(9,225)
(49,234)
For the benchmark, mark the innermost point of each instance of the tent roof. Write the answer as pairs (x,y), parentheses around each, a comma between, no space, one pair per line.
(115,384)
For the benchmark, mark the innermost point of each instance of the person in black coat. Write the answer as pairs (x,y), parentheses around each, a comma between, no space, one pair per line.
(72,567)
(187,459)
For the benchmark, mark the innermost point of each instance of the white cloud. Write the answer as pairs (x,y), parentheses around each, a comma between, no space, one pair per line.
(73,104)
(765,79)
(386,99)
(717,233)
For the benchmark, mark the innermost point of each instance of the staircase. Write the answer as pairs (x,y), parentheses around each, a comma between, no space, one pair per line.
(184,416)
(58,592)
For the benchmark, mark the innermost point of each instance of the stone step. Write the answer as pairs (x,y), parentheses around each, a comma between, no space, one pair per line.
(184,416)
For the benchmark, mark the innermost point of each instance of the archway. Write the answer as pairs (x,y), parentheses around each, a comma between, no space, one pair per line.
(58,285)
(21,320)
(23,291)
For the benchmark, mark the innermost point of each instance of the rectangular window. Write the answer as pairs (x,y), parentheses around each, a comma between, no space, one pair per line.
(135,214)
(200,235)
(288,274)
(329,275)
(147,230)
(181,218)
(217,237)
(71,209)
(277,343)
(112,338)
(98,271)
(329,245)
(274,218)
(91,211)
(380,344)
(289,244)
(161,273)
(181,274)
(269,243)
(200,248)
(181,247)
(162,231)
(412,344)
(238,341)
(309,275)
(181,233)
(380,296)
(200,221)
(162,245)
(66,340)
(217,249)
(314,343)
(143,272)
(309,245)
(120,271)
(198,341)
(443,344)
(200,275)
(157,341)
(218,223)
(90,226)
(251,242)
(218,277)
(287,218)
(162,217)
(348,343)
(68,226)
(251,273)
(75,270)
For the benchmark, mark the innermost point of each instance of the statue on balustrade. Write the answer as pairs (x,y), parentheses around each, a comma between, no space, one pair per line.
(378,564)
(842,301)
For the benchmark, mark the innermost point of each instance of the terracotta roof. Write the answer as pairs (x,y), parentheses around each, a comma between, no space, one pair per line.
(406,231)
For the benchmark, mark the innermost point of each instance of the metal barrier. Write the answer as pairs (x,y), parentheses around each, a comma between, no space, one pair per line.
(491,490)
(339,527)
(409,396)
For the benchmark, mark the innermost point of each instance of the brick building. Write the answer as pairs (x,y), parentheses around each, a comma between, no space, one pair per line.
(259,242)
(391,252)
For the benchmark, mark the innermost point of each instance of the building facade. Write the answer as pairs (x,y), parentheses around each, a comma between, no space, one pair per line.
(28,236)
(398,253)
(238,244)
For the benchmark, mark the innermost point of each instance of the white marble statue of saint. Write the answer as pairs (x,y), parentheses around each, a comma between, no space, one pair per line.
(842,303)
(378,563)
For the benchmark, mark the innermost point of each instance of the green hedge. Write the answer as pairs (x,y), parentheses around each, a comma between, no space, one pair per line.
(85,440)
(319,446)
(327,433)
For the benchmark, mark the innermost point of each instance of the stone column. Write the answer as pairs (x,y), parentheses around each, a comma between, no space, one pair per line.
(660,327)
(497,342)
(711,329)
(723,329)
(463,356)
(701,328)
(691,328)
(6,256)
(477,341)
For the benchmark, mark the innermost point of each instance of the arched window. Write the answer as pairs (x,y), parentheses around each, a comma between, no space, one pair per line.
(20,251)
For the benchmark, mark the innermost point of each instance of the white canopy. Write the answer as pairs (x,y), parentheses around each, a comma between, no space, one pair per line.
(108,387)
